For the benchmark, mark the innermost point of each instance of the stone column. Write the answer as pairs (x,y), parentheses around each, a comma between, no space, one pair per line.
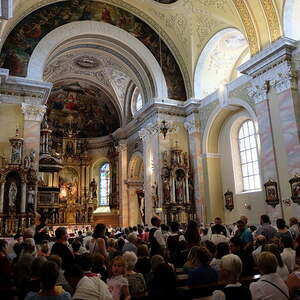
(123,196)
(2,196)
(33,116)
(192,125)
(23,197)
(145,135)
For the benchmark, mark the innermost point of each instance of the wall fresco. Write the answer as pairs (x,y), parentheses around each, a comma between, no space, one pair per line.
(26,35)
(78,108)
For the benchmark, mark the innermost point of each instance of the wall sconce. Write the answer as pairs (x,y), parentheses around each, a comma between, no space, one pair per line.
(164,128)
(287,201)
(247,206)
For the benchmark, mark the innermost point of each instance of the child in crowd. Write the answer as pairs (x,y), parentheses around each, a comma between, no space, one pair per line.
(117,283)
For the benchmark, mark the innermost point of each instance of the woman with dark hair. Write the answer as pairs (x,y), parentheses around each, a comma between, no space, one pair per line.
(5,272)
(282,230)
(98,242)
(48,277)
(222,250)
(192,235)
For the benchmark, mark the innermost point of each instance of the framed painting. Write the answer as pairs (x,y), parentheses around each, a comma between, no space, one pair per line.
(295,188)
(271,193)
(228,196)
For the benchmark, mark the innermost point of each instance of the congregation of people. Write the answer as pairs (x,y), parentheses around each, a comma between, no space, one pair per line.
(160,261)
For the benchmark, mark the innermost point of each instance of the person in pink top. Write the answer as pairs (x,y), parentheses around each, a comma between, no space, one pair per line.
(117,283)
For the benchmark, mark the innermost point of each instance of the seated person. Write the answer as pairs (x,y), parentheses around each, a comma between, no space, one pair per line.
(192,260)
(270,285)
(204,273)
(231,269)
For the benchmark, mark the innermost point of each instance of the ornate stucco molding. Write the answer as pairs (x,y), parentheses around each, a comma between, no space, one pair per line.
(259,91)
(248,24)
(272,19)
(33,112)
(122,146)
(285,78)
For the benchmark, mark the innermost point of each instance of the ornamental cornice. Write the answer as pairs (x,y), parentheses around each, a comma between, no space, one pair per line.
(269,58)
(33,112)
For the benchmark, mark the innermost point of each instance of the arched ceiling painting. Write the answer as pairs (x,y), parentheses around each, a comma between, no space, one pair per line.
(80,107)
(26,35)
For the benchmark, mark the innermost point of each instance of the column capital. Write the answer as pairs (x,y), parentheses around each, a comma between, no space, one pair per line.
(191,124)
(33,112)
(122,146)
(258,90)
(285,78)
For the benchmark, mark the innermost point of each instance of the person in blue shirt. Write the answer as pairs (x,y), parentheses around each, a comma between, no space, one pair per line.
(244,234)
(204,273)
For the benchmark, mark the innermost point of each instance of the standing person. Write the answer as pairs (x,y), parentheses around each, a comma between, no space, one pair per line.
(244,234)
(218,221)
(294,228)
(282,230)
(98,243)
(288,254)
(156,239)
(266,229)
(192,235)
(61,248)
(270,285)
(218,236)
(117,283)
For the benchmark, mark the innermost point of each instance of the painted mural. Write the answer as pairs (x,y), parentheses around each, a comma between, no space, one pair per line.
(79,108)
(26,35)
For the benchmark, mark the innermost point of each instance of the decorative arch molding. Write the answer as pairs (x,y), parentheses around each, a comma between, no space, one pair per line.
(291,15)
(179,85)
(217,61)
(135,166)
(59,35)
(217,118)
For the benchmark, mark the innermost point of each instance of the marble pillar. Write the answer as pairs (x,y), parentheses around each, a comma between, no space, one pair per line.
(192,125)
(123,196)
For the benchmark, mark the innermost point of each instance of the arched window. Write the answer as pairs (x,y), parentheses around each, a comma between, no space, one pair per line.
(139,102)
(249,156)
(104,180)
(136,101)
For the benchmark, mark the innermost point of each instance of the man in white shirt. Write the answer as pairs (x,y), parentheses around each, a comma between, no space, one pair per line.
(288,255)
(259,242)
(92,288)
(156,239)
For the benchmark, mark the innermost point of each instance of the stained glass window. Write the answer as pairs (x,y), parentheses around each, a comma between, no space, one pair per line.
(249,156)
(104,180)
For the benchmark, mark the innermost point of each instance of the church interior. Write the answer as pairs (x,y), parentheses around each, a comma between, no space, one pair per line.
(113,111)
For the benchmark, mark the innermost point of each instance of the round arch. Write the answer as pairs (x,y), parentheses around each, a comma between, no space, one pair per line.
(218,61)
(291,14)
(59,35)
(135,166)
(216,119)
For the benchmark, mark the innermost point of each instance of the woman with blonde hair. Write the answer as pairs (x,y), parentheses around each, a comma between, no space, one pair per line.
(270,285)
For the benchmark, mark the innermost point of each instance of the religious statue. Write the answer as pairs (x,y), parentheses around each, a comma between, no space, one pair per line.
(32,158)
(93,188)
(30,199)
(166,189)
(12,195)
(179,184)
(154,195)
(27,162)
(15,154)
(142,207)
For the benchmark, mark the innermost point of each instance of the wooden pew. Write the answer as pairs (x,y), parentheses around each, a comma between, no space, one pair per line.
(206,290)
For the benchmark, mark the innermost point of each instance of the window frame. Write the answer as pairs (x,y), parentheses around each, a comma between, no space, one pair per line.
(245,163)
(107,186)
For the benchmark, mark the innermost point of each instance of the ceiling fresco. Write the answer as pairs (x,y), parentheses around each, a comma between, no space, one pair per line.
(26,35)
(81,109)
